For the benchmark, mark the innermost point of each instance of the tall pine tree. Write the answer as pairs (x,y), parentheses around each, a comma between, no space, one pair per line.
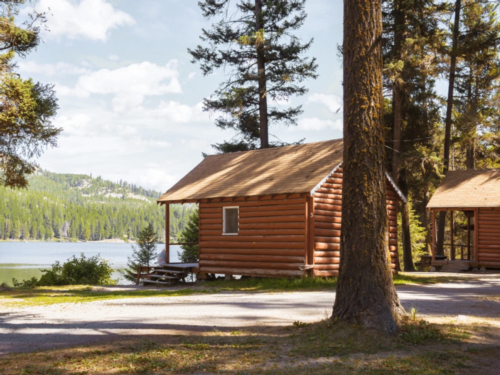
(26,108)
(264,64)
(412,39)
(476,115)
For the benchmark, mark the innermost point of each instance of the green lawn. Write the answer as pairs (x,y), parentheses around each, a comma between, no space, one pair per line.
(82,294)
(319,348)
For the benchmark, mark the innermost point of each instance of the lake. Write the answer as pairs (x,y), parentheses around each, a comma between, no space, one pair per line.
(23,260)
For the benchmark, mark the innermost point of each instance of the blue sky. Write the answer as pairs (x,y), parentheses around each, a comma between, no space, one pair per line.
(130,99)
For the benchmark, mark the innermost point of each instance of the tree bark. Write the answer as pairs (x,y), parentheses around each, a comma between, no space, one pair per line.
(405,228)
(365,290)
(261,66)
(471,155)
(427,221)
(397,99)
(449,109)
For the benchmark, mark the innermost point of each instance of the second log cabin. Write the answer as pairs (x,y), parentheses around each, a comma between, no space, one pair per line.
(273,212)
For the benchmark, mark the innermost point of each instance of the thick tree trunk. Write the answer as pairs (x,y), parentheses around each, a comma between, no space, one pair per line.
(449,109)
(471,155)
(261,66)
(365,290)
(427,221)
(405,228)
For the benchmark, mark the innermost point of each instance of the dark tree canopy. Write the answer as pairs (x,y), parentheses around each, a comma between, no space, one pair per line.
(26,108)
(254,42)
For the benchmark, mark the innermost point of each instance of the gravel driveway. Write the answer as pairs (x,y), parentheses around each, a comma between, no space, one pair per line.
(47,327)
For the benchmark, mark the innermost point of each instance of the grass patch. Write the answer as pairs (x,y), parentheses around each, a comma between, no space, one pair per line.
(278,285)
(81,294)
(328,339)
(297,349)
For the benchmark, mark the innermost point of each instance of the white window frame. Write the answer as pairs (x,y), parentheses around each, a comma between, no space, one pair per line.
(224,221)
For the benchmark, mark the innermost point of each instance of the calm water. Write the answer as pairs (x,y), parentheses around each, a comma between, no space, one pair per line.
(22,260)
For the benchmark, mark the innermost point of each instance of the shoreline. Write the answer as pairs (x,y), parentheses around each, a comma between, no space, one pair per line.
(113,240)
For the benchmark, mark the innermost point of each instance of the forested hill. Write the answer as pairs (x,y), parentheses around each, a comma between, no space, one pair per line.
(79,207)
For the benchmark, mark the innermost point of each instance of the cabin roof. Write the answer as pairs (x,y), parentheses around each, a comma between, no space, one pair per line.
(468,189)
(278,170)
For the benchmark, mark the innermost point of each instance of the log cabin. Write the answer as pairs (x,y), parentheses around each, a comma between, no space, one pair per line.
(273,212)
(476,193)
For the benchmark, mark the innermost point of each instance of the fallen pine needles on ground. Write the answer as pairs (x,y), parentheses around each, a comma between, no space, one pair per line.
(320,348)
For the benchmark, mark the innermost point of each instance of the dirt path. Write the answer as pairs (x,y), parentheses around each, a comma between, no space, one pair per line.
(474,302)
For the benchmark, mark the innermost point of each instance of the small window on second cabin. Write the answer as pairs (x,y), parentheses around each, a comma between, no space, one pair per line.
(230,222)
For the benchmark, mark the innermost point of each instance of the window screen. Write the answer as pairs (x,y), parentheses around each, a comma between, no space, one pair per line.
(231,220)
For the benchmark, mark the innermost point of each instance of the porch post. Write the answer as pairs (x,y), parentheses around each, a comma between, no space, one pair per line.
(433,235)
(167,233)
(476,236)
(468,237)
(452,245)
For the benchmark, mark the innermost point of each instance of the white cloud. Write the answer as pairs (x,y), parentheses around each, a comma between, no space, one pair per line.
(314,123)
(191,76)
(156,178)
(60,68)
(113,57)
(74,125)
(84,19)
(70,91)
(334,103)
(178,112)
(129,85)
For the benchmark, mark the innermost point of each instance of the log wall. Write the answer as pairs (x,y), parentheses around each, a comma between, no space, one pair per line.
(489,237)
(271,240)
(327,225)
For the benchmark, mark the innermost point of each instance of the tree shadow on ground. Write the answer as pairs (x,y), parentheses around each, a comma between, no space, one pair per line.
(320,348)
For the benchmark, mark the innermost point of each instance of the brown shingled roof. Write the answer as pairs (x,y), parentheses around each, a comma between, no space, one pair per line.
(468,189)
(280,170)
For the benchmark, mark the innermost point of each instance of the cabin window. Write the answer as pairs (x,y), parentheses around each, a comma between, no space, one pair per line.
(230,216)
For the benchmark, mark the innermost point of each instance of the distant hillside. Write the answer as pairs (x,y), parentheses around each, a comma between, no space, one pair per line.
(79,207)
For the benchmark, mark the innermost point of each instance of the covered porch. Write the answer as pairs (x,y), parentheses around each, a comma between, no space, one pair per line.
(469,203)
(459,241)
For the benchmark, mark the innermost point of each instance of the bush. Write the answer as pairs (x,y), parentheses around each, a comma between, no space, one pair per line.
(189,234)
(76,271)
(30,283)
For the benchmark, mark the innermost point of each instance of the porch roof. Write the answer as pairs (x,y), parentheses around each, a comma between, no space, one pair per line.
(468,189)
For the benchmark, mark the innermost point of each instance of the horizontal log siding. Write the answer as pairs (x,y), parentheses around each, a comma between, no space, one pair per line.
(328,218)
(271,240)
(489,237)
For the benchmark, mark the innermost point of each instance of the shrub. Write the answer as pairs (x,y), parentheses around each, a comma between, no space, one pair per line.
(30,283)
(76,271)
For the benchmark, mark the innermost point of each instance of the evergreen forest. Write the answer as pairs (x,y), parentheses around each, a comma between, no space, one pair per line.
(77,207)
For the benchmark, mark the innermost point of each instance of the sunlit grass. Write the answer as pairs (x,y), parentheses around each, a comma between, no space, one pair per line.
(82,294)
(318,348)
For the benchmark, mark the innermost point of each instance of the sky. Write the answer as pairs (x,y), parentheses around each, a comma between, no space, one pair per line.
(131,100)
